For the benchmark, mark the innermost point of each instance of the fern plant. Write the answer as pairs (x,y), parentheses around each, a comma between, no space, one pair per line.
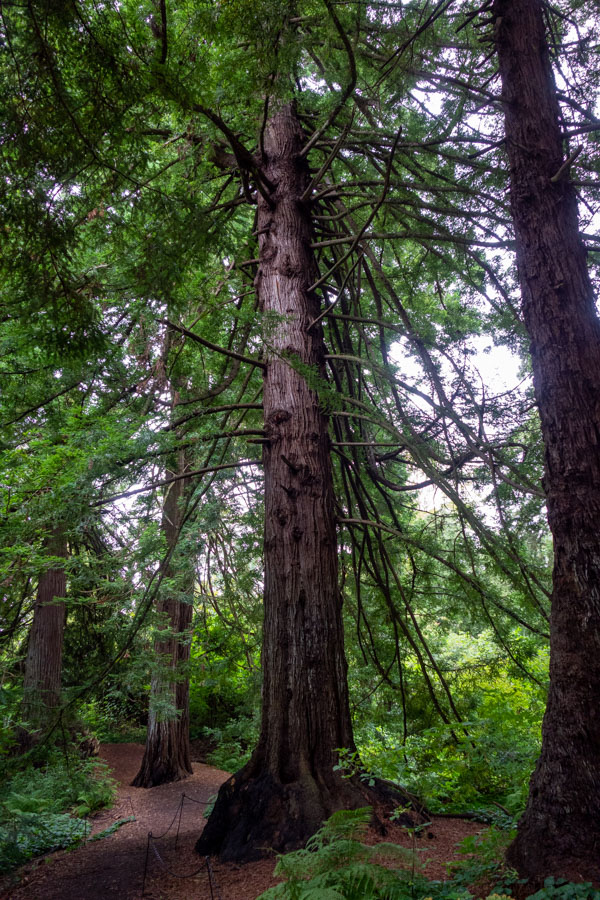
(40,809)
(336,865)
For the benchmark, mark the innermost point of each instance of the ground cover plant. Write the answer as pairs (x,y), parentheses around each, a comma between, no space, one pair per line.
(335,865)
(45,808)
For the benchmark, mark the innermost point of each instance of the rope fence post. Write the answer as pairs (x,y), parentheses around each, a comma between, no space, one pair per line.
(179,821)
(146,862)
(215,893)
(210,884)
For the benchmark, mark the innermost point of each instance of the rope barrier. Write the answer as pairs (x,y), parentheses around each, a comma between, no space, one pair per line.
(179,820)
(159,837)
(168,869)
(215,893)
(212,881)
(146,863)
(203,801)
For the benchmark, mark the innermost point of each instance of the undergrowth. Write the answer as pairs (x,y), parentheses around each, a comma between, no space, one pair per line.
(42,809)
(336,865)
(233,743)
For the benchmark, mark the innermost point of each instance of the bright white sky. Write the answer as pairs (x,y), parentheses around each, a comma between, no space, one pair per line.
(498,366)
(499,369)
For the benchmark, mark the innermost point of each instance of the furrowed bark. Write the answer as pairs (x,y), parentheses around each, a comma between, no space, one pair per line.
(559,833)
(167,754)
(289,786)
(43,665)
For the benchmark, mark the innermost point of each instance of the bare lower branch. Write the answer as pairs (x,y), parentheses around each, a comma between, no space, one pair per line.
(195,337)
(165,481)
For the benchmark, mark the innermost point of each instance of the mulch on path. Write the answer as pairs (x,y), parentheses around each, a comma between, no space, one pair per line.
(113,868)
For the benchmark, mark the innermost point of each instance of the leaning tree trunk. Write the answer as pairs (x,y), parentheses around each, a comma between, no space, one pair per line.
(167,753)
(289,786)
(559,833)
(43,664)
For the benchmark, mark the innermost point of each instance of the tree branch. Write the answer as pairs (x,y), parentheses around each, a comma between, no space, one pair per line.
(165,481)
(349,87)
(211,346)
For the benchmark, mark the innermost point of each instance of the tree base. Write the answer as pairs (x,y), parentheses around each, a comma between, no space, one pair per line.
(152,774)
(560,851)
(162,768)
(167,754)
(258,815)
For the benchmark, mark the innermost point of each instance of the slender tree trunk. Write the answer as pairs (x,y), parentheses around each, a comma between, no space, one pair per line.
(167,753)
(289,786)
(43,665)
(559,834)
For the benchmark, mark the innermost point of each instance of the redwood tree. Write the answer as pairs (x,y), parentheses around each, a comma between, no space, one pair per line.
(43,665)
(560,829)
(185,101)
(167,753)
(289,786)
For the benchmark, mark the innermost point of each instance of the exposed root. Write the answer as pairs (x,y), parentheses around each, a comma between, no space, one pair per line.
(258,815)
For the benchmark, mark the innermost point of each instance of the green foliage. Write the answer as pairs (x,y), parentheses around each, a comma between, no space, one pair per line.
(489,845)
(224,684)
(10,701)
(484,860)
(32,834)
(60,785)
(114,718)
(234,743)
(485,762)
(34,804)
(123,203)
(111,829)
(559,889)
(335,864)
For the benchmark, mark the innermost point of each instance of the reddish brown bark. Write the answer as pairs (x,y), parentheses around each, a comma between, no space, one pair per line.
(43,665)
(559,833)
(167,754)
(289,786)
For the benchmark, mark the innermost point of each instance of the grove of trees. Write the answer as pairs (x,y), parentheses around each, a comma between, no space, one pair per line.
(253,468)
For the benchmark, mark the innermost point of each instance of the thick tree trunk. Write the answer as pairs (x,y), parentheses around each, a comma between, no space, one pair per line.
(289,786)
(167,753)
(559,834)
(43,665)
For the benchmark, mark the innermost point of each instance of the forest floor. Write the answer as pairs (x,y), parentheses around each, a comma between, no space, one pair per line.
(114,866)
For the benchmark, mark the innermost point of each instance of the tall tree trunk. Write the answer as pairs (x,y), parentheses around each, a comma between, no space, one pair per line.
(289,786)
(559,833)
(167,753)
(43,665)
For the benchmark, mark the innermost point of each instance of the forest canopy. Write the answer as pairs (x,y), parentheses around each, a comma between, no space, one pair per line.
(258,485)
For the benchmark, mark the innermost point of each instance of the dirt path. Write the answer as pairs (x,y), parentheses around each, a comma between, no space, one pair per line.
(113,868)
